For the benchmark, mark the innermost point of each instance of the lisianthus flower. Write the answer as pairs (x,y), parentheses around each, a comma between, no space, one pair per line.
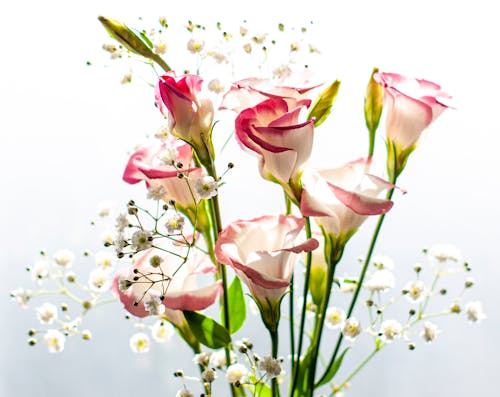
(263,252)
(411,105)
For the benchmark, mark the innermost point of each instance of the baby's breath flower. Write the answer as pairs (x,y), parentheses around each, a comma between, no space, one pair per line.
(247,47)
(126,79)
(206,187)
(162,331)
(235,373)
(21,296)
(156,192)
(104,208)
(47,313)
(64,258)
(270,366)
(445,252)
(139,343)
(54,340)
(105,259)
(351,328)
(243,31)
(195,46)
(141,240)
(383,262)
(282,72)
(154,305)
(40,270)
(162,134)
(99,279)
(381,280)
(202,358)
(121,222)
(184,393)
(218,56)
(334,317)
(390,330)
(216,86)
(160,47)
(474,312)
(209,375)
(218,359)
(415,290)
(175,224)
(429,332)
(107,237)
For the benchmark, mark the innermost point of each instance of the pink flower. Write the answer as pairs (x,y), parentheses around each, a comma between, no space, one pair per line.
(249,92)
(152,279)
(411,106)
(273,132)
(341,198)
(188,113)
(154,165)
(263,253)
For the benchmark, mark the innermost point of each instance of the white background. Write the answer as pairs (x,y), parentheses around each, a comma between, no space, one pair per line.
(65,129)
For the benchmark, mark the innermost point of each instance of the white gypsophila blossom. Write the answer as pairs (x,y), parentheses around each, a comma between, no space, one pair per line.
(383,262)
(390,330)
(139,343)
(218,359)
(121,222)
(168,155)
(216,86)
(445,252)
(64,258)
(218,56)
(236,372)
(381,280)
(141,240)
(47,313)
(474,311)
(282,71)
(206,187)
(120,242)
(162,331)
(271,366)
(107,237)
(154,305)
(99,279)
(105,208)
(160,47)
(351,328)
(195,46)
(184,393)
(105,259)
(348,284)
(209,375)
(335,316)
(21,296)
(429,332)
(71,327)
(415,291)
(126,79)
(54,340)
(202,358)
(175,224)
(163,134)
(40,270)
(156,192)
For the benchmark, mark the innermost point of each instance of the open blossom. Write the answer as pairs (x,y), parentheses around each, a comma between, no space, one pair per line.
(47,313)
(64,258)
(335,317)
(100,279)
(474,312)
(146,164)
(141,240)
(40,270)
(105,259)
(429,332)
(21,296)
(54,340)
(139,343)
(206,187)
(445,252)
(175,224)
(381,280)
(177,292)
(162,331)
(273,132)
(351,328)
(263,252)
(415,290)
(390,330)
(341,198)
(236,372)
(411,106)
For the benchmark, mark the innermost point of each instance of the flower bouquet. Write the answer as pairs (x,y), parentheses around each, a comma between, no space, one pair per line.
(178,269)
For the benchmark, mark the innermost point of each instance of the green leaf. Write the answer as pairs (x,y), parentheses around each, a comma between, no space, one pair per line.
(237,306)
(261,389)
(333,369)
(207,331)
(323,105)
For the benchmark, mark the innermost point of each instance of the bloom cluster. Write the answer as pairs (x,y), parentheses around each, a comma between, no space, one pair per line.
(179,258)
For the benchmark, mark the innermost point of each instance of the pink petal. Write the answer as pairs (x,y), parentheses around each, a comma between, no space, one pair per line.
(198,299)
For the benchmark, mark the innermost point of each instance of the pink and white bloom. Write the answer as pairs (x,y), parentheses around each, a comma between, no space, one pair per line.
(272,131)
(263,252)
(189,114)
(249,92)
(154,164)
(411,106)
(341,198)
(151,278)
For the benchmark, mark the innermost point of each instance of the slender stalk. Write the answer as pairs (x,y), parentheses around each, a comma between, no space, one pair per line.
(274,342)
(296,365)
(360,367)
(291,312)
(360,282)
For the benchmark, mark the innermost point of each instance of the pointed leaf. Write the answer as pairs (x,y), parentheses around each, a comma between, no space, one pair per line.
(333,369)
(207,331)
(323,105)
(237,306)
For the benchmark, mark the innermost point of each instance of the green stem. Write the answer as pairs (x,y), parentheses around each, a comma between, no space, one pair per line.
(371,147)
(291,314)
(360,282)
(296,365)
(274,342)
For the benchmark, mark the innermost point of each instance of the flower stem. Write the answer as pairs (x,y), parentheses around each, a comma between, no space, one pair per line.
(360,282)
(291,314)
(296,365)
(360,367)
(274,342)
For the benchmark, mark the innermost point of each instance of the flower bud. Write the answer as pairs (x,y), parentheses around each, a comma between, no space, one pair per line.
(373,108)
